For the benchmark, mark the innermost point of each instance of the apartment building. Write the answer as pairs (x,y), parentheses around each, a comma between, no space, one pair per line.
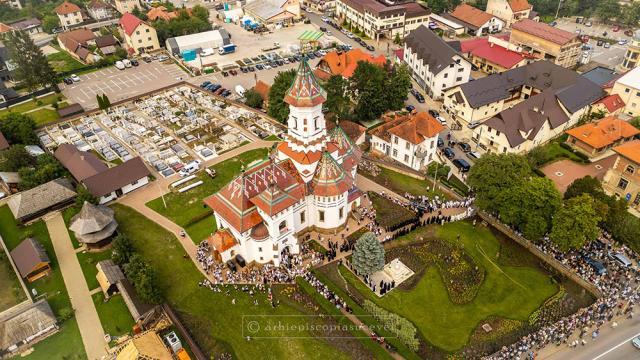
(434,64)
(628,88)
(547,42)
(475,21)
(379,19)
(139,36)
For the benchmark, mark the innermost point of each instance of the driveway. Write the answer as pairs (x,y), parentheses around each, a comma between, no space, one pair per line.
(85,312)
(122,84)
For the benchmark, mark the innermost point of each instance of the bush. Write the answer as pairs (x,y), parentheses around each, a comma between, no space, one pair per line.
(401,327)
(39,102)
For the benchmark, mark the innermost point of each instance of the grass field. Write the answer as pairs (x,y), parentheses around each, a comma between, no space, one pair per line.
(512,292)
(213,320)
(67,342)
(187,209)
(388,213)
(114,315)
(30,105)
(400,183)
(44,116)
(11,292)
(63,62)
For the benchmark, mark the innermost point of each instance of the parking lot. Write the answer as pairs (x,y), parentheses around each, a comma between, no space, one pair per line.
(122,84)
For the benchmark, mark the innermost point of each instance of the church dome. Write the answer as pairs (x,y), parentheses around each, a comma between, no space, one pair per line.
(259,232)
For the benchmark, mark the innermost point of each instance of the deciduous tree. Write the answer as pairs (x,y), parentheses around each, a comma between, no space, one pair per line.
(15,157)
(338,101)
(575,223)
(253,98)
(397,88)
(278,109)
(368,89)
(18,129)
(47,168)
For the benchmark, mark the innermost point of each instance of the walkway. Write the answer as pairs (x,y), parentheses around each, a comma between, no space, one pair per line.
(85,312)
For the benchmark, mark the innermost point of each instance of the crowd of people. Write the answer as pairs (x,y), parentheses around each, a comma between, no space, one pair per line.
(618,286)
(323,290)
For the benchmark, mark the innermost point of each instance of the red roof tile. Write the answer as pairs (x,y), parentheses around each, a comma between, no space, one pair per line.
(498,55)
(519,5)
(604,132)
(67,8)
(612,102)
(544,31)
(129,23)
(330,179)
(417,127)
(222,240)
(630,150)
(345,63)
(305,90)
(471,15)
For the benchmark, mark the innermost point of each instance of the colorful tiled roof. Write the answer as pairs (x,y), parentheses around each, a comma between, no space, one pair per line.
(222,240)
(266,186)
(345,63)
(414,128)
(519,5)
(471,15)
(330,179)
(305,90)
(604,132)
(544,31)
(347,150)
(129,23)
(67,8)
(612,102)
(630,150)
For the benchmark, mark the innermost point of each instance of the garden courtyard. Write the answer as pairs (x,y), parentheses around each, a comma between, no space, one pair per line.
(466,276)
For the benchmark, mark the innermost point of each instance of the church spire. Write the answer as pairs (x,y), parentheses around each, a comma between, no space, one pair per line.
(305,90)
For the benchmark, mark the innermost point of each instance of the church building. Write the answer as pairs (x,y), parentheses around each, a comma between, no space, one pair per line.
(308,183)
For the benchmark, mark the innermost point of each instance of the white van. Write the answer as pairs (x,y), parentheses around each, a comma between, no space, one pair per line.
(240,90)
(190,168)
(126,63)
(119,65)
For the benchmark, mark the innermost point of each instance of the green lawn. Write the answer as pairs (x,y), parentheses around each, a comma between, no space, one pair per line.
(44,116)
(63,62)
(512,292)
(400,183)
(213,320)
(67,343)
(272,138)
(388,213)
(187,210)
(11,292)
(88,261)
(30,105)
(114,315)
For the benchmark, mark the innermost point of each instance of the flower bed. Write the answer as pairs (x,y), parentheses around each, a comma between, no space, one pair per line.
(390,215)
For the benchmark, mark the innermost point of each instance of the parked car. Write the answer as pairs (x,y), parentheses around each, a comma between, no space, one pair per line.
(190,168)
(553,23)
(628,32)
(440,142)
(433,113)
(464,146)
(126,63)
(410,108)
(119,65)
(620,258)
(615,28)
(606,45)
(225,74)
(74,78)
(473,124)
(323,29)
(370,48)
(240,90)
(205,84)
(596,265)
(474,154)
(163,58)
(417,95)
(134,62)
(622,42)
(599,43)
(462,165)
(636,342)
(448,152)
(588,24)
(67,81)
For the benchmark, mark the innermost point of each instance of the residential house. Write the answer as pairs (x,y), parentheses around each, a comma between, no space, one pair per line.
(628,88)
(483,98)
(15,4)
(344,63)
(593,139)
(127,6)
(475,21)
(33,203)
(30,26)
(381,19)
(107,44)
(609,105)
(434,64)
(623,179)
(69,14)
(99,10)
(24,325)
(77,42)
(547,42)
(105,183)
(274,11)
(510,11)
(632,55)
(494,54)
(410,139)
(139,36)
(537,120)
(31,260)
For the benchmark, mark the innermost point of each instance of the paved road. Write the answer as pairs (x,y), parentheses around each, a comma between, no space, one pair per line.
(610,57)
(611,344)
(85,312)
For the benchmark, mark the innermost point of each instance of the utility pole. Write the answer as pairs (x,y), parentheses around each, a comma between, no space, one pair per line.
(558,11)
